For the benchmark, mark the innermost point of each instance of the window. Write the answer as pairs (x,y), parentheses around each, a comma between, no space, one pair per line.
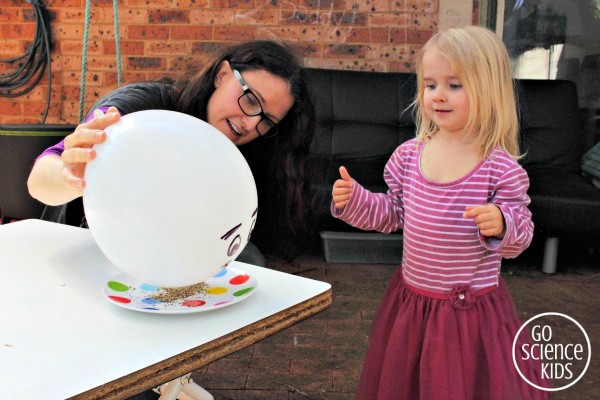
(552,39)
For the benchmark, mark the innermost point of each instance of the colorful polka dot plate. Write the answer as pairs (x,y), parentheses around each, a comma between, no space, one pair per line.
(228,287)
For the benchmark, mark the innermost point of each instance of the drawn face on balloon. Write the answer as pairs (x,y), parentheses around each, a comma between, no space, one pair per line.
(235,239)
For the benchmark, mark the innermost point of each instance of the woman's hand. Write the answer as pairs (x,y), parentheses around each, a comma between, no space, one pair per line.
(57,180)
(78,146)
(342,189)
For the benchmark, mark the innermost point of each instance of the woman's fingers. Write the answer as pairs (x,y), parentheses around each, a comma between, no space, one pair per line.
(92,132)
(78,155)
(73,175)
(79,145)
(84,137)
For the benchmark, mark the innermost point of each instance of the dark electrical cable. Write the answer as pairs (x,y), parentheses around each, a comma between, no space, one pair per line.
(31,65)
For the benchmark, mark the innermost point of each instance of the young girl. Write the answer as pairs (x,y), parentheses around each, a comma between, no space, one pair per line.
(445,327)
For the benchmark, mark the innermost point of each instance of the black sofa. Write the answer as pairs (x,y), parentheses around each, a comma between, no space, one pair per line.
(19,147)
(361,119)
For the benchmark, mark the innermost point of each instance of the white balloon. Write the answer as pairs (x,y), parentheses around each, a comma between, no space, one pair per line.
(169,199)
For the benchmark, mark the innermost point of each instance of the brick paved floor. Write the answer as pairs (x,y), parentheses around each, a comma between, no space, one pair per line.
(321,357)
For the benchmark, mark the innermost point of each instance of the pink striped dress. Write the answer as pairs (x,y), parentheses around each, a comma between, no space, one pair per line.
(445,326)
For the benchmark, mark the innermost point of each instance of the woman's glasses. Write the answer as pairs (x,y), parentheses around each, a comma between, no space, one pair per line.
(251,107)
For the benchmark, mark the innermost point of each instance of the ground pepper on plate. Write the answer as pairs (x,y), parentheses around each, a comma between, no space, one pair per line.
(171,295)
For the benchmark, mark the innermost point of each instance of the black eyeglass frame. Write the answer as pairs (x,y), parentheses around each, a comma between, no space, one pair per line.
(273,131)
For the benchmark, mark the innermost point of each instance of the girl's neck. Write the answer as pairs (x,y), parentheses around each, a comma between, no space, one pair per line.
(449,157)
(454,139)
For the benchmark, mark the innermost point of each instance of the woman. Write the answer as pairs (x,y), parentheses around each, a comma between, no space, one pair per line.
(251,90)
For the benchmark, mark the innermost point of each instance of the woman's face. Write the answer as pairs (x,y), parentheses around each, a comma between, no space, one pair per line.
(225,114)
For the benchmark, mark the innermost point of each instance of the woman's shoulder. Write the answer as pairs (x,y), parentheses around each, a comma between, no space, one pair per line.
(138,96)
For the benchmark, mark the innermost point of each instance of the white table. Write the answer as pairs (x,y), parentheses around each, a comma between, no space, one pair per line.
(60,338)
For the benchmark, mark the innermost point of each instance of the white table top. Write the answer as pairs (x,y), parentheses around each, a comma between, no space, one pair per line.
(60,337)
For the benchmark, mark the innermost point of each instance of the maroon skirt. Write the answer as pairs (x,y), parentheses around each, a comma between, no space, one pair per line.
(459,347)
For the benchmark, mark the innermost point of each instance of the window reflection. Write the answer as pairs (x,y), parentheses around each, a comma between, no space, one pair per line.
(556,39)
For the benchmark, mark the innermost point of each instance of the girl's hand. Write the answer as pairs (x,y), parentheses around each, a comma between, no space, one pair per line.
(488,218)
(342,189)
(78,146)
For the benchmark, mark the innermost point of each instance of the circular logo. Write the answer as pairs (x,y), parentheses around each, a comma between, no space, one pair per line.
(559,346)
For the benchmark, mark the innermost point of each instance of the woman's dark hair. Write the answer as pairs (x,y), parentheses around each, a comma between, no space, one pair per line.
(279,163)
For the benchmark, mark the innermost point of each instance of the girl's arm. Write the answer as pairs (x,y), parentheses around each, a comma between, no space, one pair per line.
(510,196)
(383,212)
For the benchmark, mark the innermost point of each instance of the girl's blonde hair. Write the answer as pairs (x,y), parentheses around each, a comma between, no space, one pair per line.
(482,65)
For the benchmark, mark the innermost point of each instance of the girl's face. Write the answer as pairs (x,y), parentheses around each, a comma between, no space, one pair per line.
(446,100)
(225,114)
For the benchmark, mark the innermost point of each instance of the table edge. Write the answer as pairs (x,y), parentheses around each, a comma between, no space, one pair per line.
(191,360)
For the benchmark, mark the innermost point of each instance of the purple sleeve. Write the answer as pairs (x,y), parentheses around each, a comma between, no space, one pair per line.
(58,148)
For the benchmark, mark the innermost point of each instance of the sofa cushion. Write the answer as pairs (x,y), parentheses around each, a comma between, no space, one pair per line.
(551,131)
(361,118)
(563,202)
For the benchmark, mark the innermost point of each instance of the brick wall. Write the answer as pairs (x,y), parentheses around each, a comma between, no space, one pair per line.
(170,37)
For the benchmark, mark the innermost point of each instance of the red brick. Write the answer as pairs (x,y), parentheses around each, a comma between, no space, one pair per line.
(234,33)
(146,3)
(10,107)
(396,19)
(424,20)
(291,34)
(303,383)
(345,50)
(370,6)
(10,14)
(192,32)
(221,380)
(325,4)
(168,16)
(271,351)
(145,63)
(229,4)
(192,4)
(345,384)
(186,65)
(257,17)
(17,31)
(354,19)
(133,16)
(64,3)
(148,32)
(68,31)
(12,48)
(212,17)
(328,367)
(128,47)
(167,48)
(77,15)
(300,17)
(242,366)
(111,78)
(307,49)
(207,48)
